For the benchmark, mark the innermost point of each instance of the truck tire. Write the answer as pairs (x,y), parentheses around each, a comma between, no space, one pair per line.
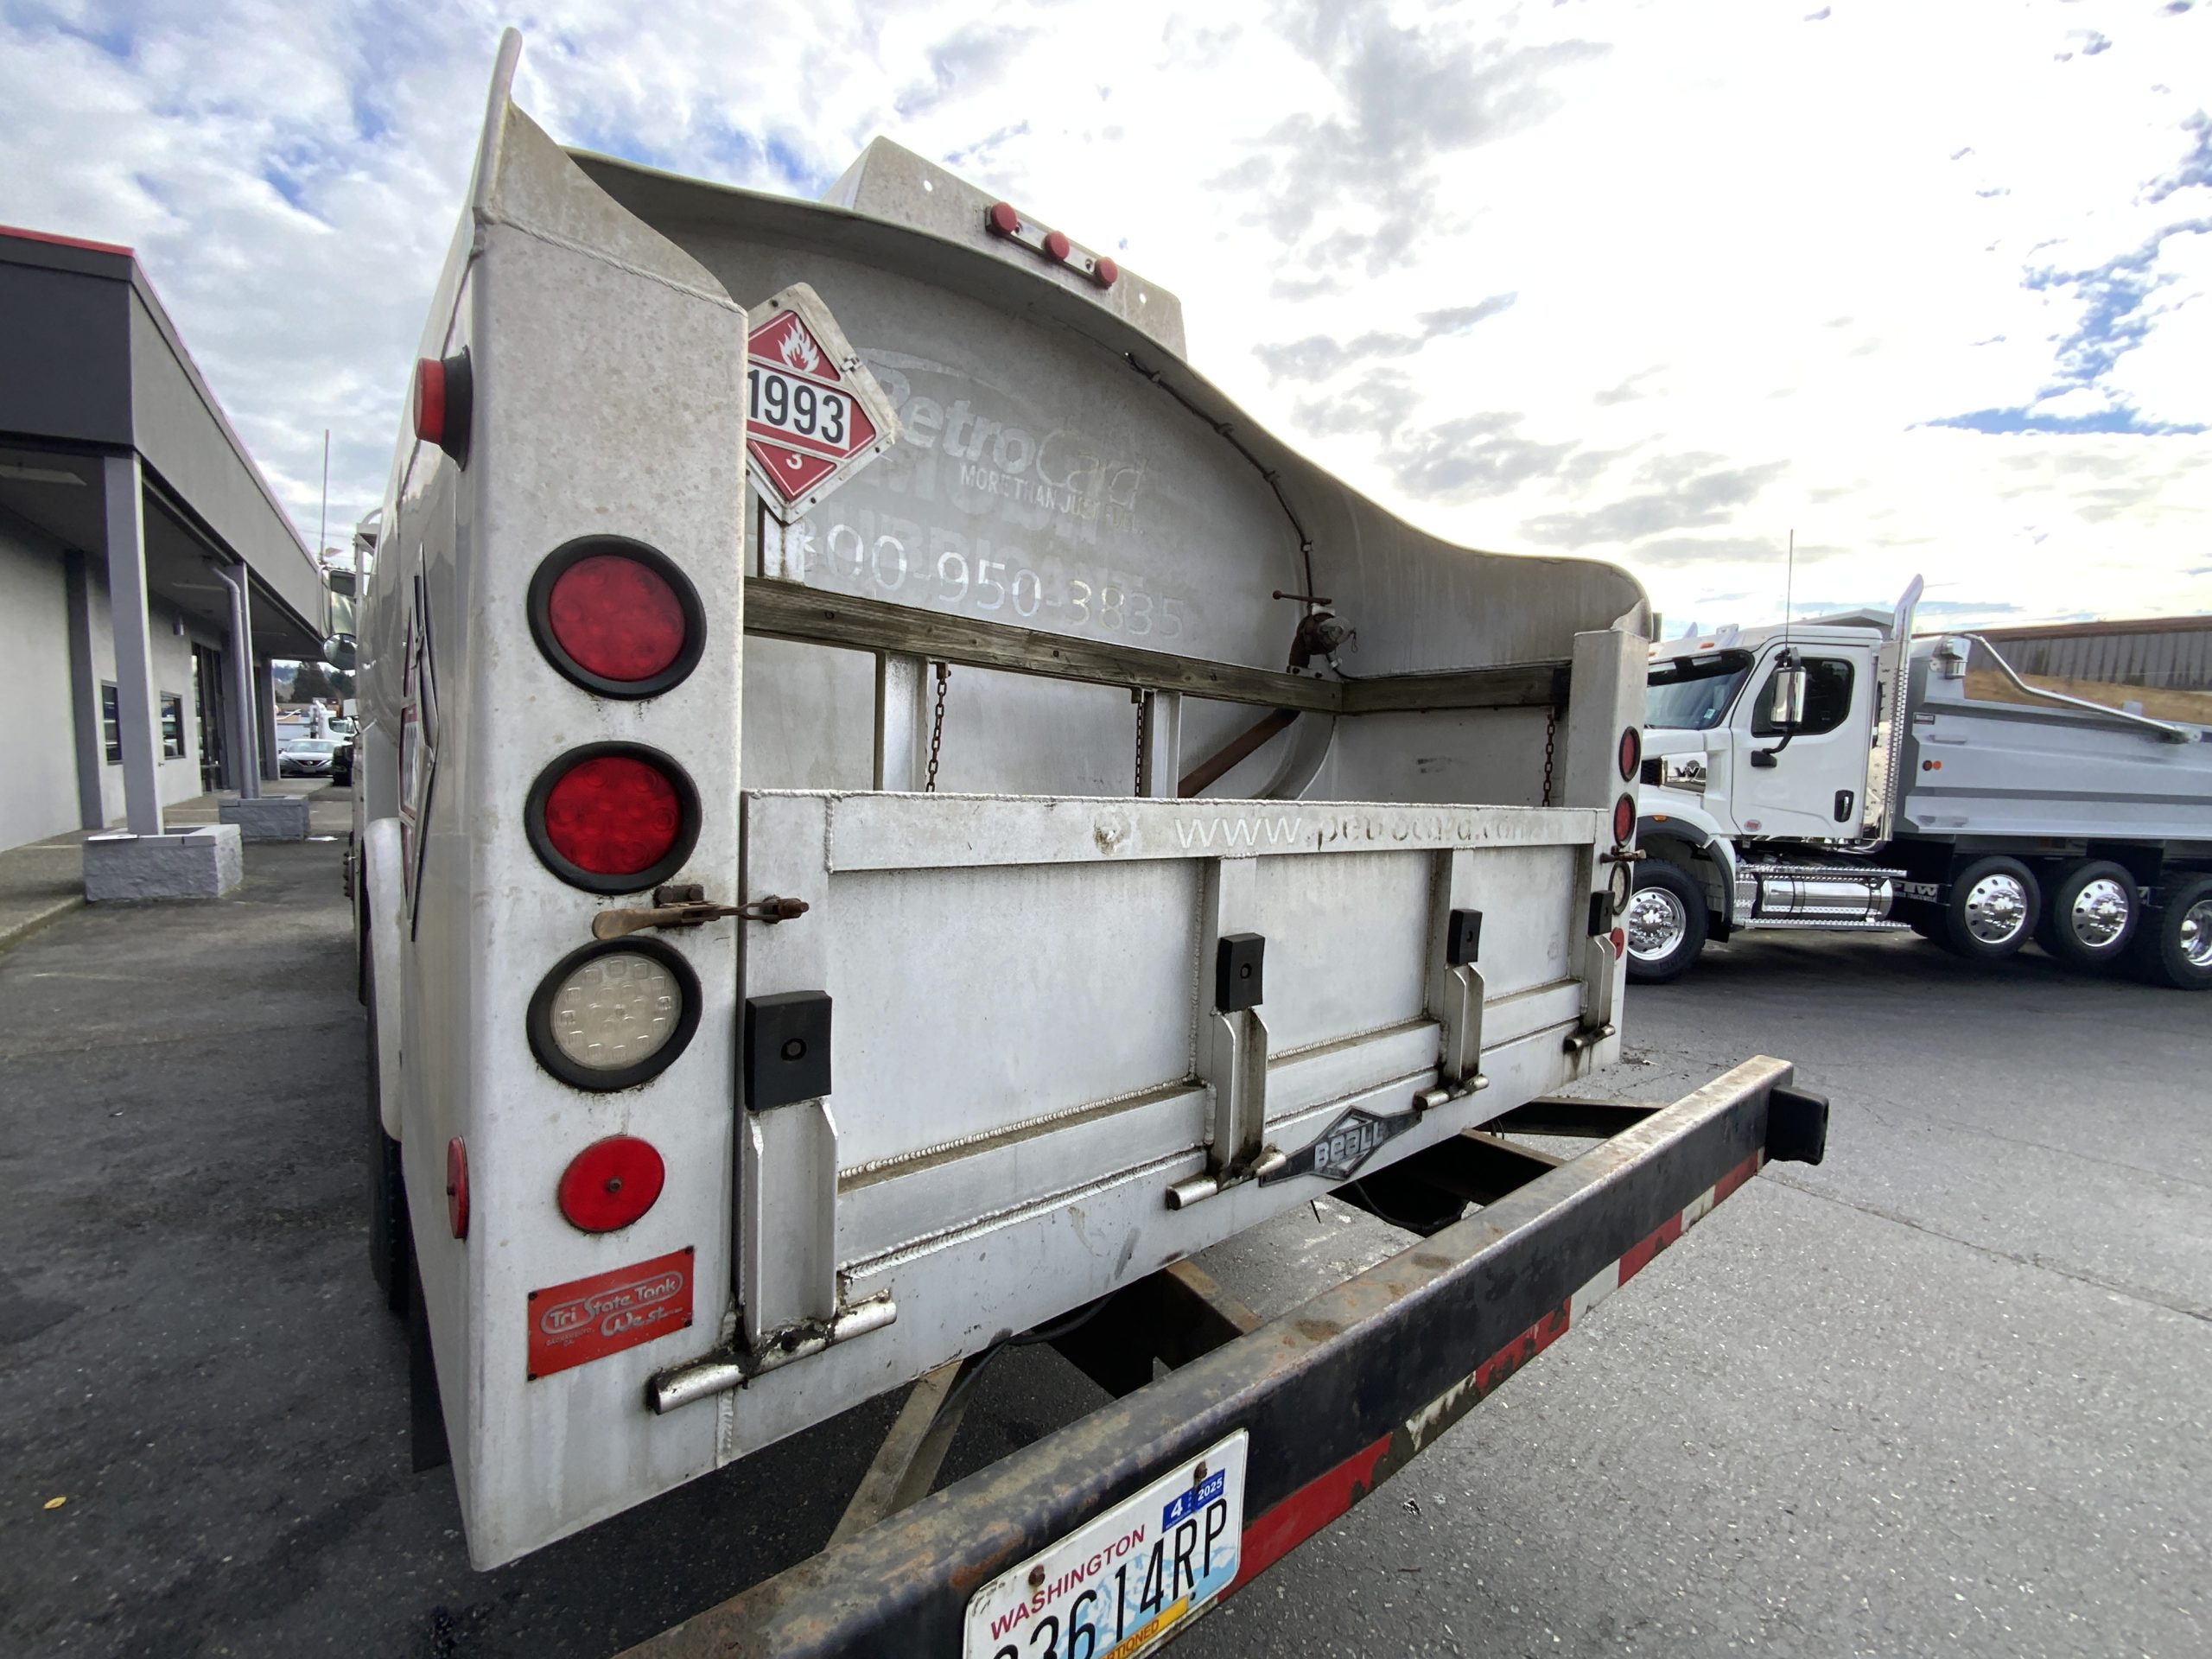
(1991,911)
(1665,923)
(2089,914)
(2174,945)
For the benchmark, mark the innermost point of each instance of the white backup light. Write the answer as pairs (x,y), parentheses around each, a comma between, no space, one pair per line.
(616,1011)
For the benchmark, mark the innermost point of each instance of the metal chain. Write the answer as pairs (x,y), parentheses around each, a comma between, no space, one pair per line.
(1551,732)
(1138,697)
(936,727)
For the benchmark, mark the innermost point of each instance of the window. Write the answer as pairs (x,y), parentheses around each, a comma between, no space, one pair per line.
(1691,694)
(1828,699)
(112,723)
(172,725)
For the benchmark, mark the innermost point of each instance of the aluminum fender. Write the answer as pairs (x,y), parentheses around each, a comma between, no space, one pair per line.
(387,906)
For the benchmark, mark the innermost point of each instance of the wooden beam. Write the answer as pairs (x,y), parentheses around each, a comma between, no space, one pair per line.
(1515,686)
(786,610)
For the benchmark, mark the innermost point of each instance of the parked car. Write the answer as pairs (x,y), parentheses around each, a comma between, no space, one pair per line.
(309,757)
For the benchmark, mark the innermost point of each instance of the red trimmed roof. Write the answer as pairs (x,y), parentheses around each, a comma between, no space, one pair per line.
(64,241)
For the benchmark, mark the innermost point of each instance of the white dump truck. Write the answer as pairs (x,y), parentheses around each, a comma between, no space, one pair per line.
(893,816)
(1840,773)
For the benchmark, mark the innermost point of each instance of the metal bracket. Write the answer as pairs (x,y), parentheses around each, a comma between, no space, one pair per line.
(735,1364)
(1589,1037)
(684,905)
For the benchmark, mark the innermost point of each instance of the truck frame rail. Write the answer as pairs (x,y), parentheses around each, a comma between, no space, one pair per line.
(1336,1394)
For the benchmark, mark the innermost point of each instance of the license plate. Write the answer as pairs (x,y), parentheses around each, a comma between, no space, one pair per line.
(1119,1586)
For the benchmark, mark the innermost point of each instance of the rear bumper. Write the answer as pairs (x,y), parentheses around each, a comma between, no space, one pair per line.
(1337,1394)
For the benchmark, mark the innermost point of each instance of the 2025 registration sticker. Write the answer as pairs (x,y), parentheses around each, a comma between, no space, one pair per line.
(1116,1587)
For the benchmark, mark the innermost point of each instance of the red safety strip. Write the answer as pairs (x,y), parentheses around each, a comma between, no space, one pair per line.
(1306,1511)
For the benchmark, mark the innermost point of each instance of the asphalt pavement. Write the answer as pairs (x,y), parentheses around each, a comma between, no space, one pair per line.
(1946,1392)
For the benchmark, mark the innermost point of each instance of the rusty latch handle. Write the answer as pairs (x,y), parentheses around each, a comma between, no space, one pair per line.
(691,912)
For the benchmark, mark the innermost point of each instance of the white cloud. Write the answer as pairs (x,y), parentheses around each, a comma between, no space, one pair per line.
(1704,274)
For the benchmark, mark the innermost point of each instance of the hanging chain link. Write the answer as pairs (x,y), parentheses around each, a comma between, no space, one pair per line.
(1142,701)
(936,727)
(1551,732)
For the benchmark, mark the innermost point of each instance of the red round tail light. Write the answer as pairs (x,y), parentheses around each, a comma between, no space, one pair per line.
(611,1183)
(1625,820)
(612,817)
(1631,754)
(616,617)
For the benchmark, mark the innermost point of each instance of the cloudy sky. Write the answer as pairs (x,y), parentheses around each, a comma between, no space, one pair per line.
(1925,284)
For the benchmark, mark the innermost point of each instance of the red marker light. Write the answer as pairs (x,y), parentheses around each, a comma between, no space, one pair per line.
(1631,754)
(1056,245)
(611,1183)
(430,400)
(444,396)
(457,1187)
(1105,272)
(1002,219)
(1624,819)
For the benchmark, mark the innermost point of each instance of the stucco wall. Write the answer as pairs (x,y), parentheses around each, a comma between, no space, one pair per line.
(38,757)
(180,777)
(38,744)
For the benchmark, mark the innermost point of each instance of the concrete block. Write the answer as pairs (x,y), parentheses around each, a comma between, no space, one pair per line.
(270,817)
(204,864)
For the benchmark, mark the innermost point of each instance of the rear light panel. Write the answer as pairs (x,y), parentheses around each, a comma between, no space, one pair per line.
(612,817)
(614,1013)
(616,617)
(1004,219)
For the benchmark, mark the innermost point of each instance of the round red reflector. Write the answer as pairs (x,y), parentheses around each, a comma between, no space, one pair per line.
(1631,754)
(430,400)
(1056,245)
(617,618)
(1105,272)
(457,1187)
(611,1183)
(1002,220)
(1624,819)
(613,815)
(1618,940)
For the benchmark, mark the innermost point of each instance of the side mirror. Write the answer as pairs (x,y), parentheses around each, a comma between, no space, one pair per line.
(1789,695)
(340,652)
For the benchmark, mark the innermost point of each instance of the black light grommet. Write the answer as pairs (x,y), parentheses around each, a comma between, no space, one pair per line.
(687,835)
(564,558)
(540,1017)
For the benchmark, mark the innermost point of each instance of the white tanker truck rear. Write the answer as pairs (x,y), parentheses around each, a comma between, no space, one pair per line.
(871,844)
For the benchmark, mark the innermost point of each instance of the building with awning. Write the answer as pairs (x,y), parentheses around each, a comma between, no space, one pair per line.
(148,576)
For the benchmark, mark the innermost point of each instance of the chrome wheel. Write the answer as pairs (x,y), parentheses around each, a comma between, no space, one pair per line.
(2100,913)
(1997,908)
(1655,923)
(2194,934)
